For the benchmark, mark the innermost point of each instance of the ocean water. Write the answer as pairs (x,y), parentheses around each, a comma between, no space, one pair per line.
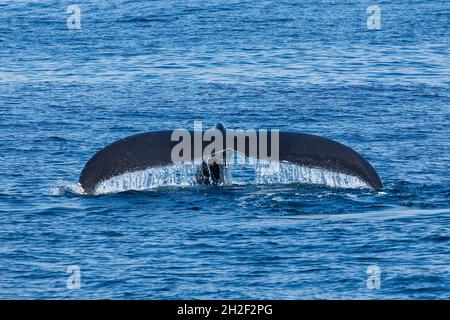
(307,66)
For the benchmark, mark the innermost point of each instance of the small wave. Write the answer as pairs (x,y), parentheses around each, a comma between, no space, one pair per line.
(145,19)
(61,188)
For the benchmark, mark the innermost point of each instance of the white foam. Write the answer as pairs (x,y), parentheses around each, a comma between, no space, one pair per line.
(261,173)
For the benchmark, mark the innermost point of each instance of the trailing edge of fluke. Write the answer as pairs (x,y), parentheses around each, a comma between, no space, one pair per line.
(151,149)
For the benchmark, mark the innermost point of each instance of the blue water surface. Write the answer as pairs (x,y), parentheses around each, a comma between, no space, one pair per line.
(308,66)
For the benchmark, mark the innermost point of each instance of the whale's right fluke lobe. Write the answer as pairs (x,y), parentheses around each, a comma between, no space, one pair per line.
(318,152)
(153,149)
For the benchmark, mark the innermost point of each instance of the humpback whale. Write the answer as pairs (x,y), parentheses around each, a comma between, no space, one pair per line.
(152,149)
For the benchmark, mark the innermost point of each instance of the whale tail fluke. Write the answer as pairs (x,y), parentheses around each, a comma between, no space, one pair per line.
(151,149)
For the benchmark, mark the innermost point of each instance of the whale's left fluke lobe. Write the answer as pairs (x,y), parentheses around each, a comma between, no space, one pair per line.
(152,149)
(133,153)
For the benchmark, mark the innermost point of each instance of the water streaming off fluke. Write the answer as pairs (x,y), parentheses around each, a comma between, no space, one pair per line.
(262,172)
